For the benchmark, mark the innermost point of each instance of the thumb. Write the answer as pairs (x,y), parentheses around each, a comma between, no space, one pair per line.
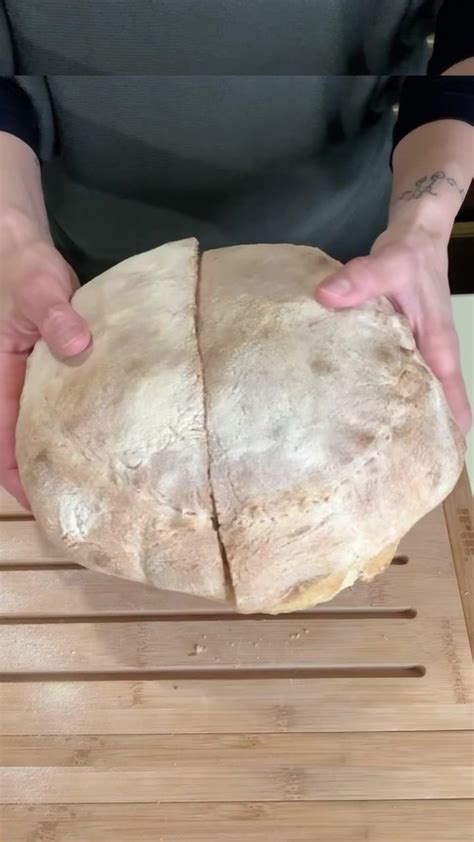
(356,282)
(64,330)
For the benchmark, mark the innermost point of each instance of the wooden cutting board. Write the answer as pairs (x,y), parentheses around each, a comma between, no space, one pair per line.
(131,714)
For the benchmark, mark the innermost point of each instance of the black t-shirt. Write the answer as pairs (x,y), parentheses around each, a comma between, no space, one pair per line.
(132,161)
(423,99)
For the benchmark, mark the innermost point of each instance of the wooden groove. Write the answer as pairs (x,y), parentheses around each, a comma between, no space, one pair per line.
(38,566)
(363,613)
(223,673)
(70,565)
(13,518)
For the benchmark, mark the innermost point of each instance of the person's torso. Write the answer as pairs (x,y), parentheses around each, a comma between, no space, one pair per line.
(217,36)
(237,153)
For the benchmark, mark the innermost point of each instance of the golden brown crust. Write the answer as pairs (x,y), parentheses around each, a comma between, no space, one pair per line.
(312,593)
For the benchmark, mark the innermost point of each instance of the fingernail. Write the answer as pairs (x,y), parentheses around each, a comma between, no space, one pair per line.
(80,357)
(339,286)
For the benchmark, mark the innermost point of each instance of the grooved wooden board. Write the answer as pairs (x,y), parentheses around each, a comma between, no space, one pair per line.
(272,767)
(290,821)
(132,714)
(9,507)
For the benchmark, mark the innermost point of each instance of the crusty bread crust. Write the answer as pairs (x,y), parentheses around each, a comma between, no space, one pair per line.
(112,453)
(256,447)
(329,436)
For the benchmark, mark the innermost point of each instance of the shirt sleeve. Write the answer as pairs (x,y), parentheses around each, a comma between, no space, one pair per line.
(424,99)
(17,114)
(454,35)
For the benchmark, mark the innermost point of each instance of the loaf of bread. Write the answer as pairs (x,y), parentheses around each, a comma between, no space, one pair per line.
(228,436)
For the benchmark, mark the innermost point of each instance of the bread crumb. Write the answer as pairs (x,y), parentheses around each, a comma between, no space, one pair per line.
(198,648)
(295,635)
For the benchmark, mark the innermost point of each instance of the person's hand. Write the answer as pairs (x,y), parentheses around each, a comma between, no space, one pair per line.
(36,285)
(410,268)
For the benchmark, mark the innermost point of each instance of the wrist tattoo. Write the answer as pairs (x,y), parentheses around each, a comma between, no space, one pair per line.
(425,185)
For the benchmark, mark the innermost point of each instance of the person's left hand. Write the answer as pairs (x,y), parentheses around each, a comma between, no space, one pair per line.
(410,268)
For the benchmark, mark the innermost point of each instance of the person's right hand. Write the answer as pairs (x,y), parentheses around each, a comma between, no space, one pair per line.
(36,285)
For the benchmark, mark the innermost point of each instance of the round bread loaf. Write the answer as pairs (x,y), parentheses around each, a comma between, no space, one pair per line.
(228,436)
